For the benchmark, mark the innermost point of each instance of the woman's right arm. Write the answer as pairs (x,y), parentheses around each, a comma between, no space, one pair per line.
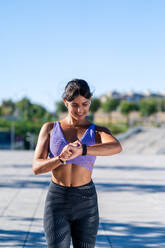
(42,164)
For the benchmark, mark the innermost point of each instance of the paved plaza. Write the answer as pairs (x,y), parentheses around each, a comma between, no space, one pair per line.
(130,195)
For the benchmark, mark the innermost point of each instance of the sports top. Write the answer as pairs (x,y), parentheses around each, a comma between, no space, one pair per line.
(58,141)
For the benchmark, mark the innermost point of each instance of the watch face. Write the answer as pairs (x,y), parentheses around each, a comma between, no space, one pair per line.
(84,146)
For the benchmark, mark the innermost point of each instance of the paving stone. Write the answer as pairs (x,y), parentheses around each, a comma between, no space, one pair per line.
(131,199)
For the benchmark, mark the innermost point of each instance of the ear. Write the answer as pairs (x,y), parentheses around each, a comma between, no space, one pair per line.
(65,102)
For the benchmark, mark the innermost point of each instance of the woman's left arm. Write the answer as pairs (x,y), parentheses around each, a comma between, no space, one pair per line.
(108,145)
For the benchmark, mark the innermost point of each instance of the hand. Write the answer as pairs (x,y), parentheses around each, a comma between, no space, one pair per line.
(66,153)
(71,150)
(76,149)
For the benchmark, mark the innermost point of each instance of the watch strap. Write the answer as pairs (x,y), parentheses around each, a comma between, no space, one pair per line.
(84,151)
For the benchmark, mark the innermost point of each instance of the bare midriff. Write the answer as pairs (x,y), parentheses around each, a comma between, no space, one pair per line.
(71,175)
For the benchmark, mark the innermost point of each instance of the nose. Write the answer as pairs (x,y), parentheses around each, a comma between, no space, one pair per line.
(80,110)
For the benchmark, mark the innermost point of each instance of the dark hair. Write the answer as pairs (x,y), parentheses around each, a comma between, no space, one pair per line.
(76,87)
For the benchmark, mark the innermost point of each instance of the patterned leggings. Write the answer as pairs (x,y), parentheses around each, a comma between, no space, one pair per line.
(71,212)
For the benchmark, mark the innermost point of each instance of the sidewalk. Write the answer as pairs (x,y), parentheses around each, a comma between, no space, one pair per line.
(130,195)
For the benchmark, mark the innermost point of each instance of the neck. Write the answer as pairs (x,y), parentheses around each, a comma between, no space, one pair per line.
(73,122)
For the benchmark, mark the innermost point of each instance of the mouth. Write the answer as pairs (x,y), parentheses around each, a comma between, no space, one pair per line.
(80,115)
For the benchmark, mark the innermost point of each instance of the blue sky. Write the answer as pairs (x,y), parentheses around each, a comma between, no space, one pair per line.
(114,45)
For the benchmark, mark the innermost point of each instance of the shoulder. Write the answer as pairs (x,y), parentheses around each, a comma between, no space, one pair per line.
(100,129)
(47,127)
(102,133)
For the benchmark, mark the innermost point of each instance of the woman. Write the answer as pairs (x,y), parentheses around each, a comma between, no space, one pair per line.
(68,148)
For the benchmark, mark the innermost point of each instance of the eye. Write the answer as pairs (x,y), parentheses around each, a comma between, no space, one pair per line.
(74,105)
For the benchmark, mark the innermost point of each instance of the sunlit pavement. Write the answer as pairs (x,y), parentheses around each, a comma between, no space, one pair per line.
(131,197)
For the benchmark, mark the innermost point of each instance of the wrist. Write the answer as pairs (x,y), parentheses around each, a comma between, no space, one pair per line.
(84,149)
(61,160)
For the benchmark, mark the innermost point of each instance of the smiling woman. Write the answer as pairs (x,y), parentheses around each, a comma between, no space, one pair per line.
(68,148)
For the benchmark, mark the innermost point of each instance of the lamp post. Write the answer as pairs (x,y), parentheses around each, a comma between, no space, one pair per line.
(12,135)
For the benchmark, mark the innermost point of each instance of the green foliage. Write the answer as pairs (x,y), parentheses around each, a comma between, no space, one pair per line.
(110,105)
(32,116)
(95,104)
(148,106)
(4,125)
(162,105)
(127,107)
(24,108)
(37,111)
(60,107)
(33,112)
(21,127)
(25,117)
(7,107)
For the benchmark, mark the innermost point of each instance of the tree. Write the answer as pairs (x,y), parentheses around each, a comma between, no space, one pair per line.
(7,107)
(24,108)
(148,107)
(37,111)
(110,105)
(60,107)
(95,104)
(162,104)
(127,107)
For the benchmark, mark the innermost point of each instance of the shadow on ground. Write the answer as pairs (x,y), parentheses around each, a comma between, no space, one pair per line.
(15,238)
(133,235)
(130,187)
(119,235)
(26,183)
(130,168)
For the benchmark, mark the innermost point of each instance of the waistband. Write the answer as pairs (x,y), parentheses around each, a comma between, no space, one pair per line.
(72,188)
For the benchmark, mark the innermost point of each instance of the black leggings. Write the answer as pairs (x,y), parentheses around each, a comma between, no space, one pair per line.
(71,212)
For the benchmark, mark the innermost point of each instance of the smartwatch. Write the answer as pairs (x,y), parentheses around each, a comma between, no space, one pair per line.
(84,151)
(63,162)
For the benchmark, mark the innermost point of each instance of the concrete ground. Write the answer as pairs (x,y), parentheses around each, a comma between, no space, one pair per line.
(148,141)
(130,195)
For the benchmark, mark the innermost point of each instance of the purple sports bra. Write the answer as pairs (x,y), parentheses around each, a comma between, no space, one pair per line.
(58,141)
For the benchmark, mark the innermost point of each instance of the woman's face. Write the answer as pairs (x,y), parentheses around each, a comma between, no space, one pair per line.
(79,107)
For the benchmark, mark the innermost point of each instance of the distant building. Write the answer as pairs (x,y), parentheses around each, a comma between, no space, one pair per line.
(130,96)
(111,94)
(149,93)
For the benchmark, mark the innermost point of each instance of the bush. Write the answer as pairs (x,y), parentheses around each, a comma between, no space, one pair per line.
(110,105)
(148,107)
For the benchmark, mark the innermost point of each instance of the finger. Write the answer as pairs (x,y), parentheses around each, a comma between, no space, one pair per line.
(69,148)
(74,144)
(77,142)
